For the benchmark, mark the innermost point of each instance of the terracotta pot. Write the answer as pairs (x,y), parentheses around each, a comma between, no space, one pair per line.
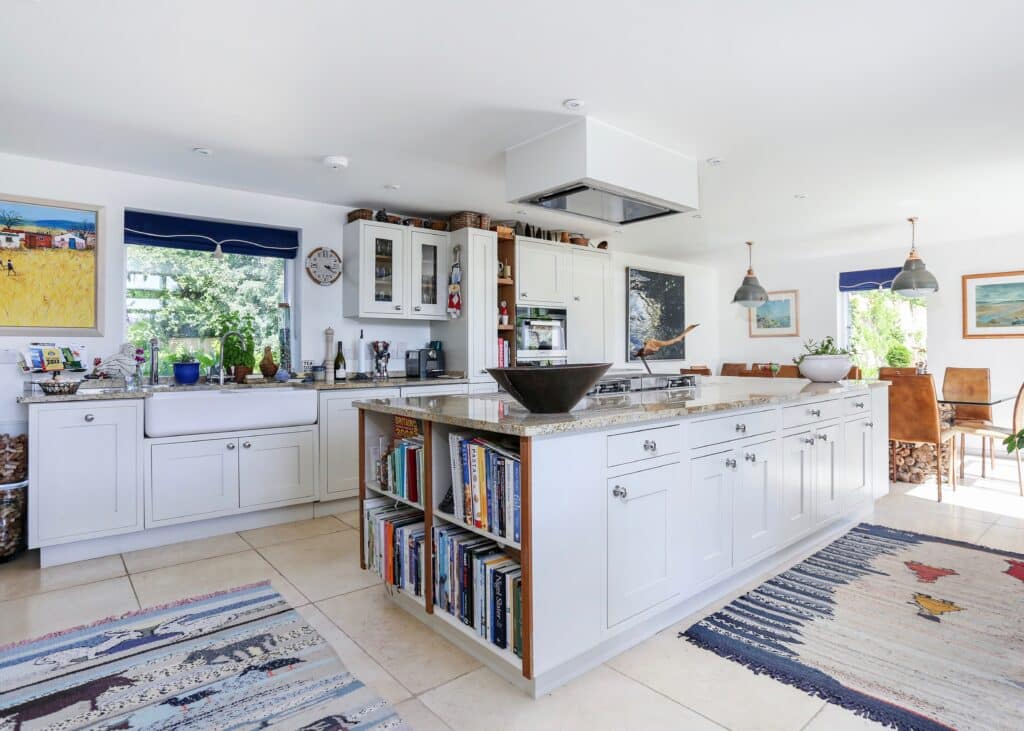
(239,372)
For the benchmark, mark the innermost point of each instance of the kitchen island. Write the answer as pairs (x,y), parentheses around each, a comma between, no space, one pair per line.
(624,516)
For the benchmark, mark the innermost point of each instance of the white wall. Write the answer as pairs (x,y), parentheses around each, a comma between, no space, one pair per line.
(321,225)
(702,306)
(817,281)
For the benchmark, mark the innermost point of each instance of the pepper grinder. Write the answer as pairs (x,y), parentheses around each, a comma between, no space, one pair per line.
(329,345)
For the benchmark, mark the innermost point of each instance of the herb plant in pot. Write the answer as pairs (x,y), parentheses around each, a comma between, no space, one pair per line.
(186,368)
(824,362)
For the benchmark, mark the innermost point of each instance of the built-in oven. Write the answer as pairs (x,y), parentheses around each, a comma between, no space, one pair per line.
(541,336)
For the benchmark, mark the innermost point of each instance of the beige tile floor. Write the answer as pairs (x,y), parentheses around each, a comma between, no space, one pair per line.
(662,683)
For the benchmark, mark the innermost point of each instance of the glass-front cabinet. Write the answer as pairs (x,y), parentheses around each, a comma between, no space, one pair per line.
(402,271)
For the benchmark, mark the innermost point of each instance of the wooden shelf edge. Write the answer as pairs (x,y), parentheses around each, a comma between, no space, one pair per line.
(506,281)
(391,496)
(449,518)
(506,328)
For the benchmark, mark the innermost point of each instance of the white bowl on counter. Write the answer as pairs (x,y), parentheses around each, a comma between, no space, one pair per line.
(825,368)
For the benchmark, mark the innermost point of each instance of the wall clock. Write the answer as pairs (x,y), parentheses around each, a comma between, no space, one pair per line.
(323,266)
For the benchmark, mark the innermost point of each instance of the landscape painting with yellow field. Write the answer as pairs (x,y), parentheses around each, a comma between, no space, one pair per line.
(48,261)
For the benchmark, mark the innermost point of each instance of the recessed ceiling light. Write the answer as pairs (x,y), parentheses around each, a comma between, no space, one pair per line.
(799,196)
(391,186)
(336,162)
(713,162)
(202,151)
(573,105)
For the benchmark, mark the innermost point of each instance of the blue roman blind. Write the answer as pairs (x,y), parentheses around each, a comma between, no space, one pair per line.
(195,234)
(867,279)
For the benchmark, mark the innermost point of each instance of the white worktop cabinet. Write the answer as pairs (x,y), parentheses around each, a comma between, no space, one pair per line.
(544,271)
(707,516)
(85,470)
(193,480)
(589,308)
(339,440)
(755,501)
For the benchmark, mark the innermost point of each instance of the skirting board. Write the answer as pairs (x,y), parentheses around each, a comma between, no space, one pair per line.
(336,507)
(164,535)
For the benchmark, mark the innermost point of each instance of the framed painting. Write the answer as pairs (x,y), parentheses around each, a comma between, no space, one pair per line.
(993,305)
(51,268)
(655,308)
(779,317)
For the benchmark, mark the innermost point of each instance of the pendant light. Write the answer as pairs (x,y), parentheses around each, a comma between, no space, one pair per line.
(750,294)
(914,280)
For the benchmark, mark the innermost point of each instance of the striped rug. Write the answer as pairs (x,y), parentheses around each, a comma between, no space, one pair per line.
(239,659)
(910,630)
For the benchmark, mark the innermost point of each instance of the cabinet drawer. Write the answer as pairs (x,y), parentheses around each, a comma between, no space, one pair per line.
(444,389)
(855,405)
(726,428)
(811,413)
(644,444)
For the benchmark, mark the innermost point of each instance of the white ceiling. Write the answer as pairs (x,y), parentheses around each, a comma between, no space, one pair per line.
(875,110)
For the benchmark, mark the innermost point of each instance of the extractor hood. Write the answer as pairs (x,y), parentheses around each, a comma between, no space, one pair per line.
(588,168)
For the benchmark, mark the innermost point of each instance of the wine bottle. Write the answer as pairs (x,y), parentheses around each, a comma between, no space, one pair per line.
(340,371)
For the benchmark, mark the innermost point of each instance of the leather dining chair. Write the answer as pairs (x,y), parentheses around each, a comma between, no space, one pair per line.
(886,373)
(914,418)
(733,369)
(696,370)
(971,384)
(994,432)
(854,374)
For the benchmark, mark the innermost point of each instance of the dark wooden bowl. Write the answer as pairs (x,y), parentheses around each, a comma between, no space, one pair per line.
(549,389)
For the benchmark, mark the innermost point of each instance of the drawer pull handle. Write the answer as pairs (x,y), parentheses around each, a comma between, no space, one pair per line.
(822,437)
(730,463)
(650,445)
(620,492)
(90,417)
(741,428)
(398,307)
(247,445)
(230,446)
(869,424)
(750,457)
(417,308)
(808,440)
(814,412)
(859,404)
(522,294)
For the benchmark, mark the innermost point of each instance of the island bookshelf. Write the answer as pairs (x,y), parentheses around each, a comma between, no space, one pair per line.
(436,477)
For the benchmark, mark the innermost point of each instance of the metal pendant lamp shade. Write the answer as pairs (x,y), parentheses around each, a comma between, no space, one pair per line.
(914,280)
(750,294)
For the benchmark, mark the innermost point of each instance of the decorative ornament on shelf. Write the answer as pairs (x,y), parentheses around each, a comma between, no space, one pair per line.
(503,313)
(915,280)
(267,365)
(323,265)
(750,294)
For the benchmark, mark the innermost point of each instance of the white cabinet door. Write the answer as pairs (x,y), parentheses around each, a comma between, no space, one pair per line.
(756,501)
(339,441)
(192,480)
(642,551)
(587,309)
(383,285)
(428,274)
(86,482)
(543,273)
(828,478)
(858,467)
(708,517)
(797,485)
(481,281)
(276,468)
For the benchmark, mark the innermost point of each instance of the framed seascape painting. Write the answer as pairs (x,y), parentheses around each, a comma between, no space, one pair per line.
(51,256)
(779,317)
(993,305)
(654,309)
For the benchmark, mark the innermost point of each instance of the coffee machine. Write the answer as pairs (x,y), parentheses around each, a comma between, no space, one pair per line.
(425,362)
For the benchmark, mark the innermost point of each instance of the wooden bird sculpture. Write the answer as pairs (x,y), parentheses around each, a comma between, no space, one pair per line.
(652,346)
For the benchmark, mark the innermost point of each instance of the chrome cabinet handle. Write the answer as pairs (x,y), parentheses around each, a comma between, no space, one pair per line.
(814,412)
(822,437)
(750,457)
(247,445)
(576,299)
(869,424)
(230,446)
(417,308)
(808,440)
(730,463)
(859,404)
(522,294)
(619,491)
(398,307)
(650,445)
(741,428)
(90,417)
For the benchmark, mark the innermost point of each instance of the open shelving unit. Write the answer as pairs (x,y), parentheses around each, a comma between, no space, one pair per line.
(437,475)
(507,292)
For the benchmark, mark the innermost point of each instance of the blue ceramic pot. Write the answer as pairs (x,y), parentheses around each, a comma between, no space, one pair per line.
(186,373)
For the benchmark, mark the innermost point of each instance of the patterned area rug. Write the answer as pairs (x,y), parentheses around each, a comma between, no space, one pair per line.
(239,659)
(912,631)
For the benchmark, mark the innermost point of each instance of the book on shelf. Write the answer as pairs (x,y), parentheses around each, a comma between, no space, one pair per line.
(486,474)
(475,581)
(394,543)
(402,469)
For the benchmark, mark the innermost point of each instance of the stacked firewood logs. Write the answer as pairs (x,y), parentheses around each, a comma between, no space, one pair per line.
(915,463)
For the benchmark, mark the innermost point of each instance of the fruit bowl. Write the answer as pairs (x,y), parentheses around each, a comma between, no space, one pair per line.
(549,389)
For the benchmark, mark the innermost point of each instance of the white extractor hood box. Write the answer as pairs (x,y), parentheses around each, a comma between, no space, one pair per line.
(590,153)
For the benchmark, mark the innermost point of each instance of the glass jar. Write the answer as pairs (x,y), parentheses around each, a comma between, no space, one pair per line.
(284,335)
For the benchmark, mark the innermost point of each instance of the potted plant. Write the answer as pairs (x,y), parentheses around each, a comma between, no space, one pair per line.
(186,368)
(239,352)
(899,356)
(824,362)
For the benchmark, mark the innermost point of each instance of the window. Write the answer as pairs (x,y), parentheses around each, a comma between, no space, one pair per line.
(179,292)
(883,328)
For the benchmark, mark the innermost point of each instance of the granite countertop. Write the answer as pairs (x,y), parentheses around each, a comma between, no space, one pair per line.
(500,413)
(115,394)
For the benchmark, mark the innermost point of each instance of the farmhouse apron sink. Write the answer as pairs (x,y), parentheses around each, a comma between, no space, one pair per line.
(170,414)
